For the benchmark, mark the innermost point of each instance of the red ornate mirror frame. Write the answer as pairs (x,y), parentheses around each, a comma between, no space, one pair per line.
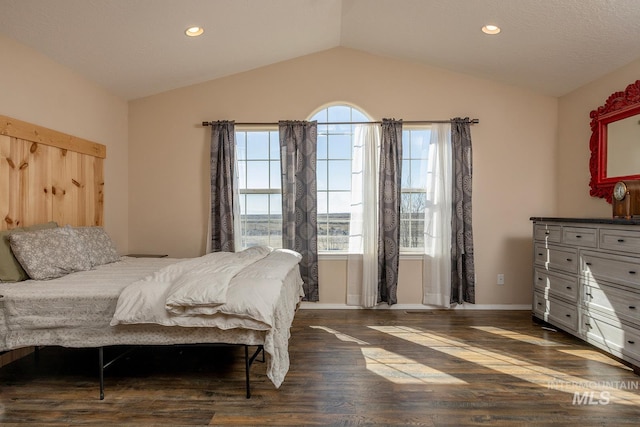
(618,106)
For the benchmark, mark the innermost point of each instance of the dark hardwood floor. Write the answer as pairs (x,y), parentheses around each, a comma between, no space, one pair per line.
(348,367)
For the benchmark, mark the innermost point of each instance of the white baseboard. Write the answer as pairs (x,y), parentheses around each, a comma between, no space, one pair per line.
(321,306)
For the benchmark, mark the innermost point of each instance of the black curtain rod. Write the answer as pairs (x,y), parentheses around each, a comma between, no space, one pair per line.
(409,122)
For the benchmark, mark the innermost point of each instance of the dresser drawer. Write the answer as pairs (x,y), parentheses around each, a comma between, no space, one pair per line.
(555,312)
(612,268)
(616,338)
(620,240)
(580,236)
(556,284)
(540,305)
(556,257)
(613,301)
(547,233)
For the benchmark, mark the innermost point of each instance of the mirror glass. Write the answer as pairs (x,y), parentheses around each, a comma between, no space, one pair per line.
(623,147)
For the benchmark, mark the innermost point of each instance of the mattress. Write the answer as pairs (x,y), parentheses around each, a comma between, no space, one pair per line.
(83,299)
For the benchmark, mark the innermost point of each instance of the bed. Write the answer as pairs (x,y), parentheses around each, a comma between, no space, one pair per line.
(96,302)
(106,306)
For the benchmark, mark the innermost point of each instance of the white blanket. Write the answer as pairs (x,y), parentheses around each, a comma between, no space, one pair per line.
(207,283)
(222,289)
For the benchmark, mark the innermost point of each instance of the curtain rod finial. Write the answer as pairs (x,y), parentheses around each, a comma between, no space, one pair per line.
(205,123)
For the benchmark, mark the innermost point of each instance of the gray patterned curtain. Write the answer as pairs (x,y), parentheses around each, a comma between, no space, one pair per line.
(298,146)
(463,281)
(223,161)
(389,187)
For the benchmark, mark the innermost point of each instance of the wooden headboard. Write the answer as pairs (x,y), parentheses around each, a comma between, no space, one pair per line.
(47,175)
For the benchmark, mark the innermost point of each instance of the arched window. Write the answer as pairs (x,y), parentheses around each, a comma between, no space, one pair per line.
(335,145)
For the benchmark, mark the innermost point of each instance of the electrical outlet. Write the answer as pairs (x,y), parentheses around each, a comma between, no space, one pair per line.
(500,279)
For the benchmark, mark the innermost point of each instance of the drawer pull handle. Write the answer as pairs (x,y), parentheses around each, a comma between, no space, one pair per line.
(588,325)
(620,240)
(631,342)
(547,232)
(632,272)
(540,254)
(539,303)
(540,278)
(568,315)
(589,295)
(578,236)
(569,287)
(568,259)
(632,307)
(587,263)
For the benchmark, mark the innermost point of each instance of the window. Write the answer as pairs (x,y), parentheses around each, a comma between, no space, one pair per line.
(258,154)
(335,144)
(414,197)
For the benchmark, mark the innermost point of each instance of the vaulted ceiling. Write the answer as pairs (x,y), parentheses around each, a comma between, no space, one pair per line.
(136,48)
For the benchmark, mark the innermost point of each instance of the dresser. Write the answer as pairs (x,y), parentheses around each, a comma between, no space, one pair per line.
(586,281)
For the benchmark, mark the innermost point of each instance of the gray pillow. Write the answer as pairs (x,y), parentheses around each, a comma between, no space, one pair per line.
(98,244)
(47,254)
(10,268)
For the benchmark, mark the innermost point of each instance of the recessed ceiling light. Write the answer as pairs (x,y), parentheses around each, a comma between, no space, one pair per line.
(194,31)
(491,29)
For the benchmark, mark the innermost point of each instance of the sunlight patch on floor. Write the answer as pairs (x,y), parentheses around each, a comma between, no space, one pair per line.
(522,369)
(402,370)
(517,336)
(596,357)
(392,366)
(340,335)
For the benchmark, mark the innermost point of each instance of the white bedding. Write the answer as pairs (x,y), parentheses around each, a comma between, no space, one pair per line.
(223,290)
(206,284)
(76,311)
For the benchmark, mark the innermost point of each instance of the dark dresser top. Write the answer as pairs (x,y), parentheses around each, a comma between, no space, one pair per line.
(619,221)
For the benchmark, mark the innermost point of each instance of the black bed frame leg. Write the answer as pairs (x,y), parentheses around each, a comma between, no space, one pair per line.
(101,370)
(247,365)
(248,361)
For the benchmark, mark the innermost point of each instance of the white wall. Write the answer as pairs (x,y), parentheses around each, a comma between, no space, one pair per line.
(514,155)
(37,90)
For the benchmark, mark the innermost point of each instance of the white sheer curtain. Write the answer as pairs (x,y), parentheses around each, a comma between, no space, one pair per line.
(436,276)
(237,220)
(362,261)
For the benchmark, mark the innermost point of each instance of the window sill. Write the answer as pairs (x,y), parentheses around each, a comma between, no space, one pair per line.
(343,256)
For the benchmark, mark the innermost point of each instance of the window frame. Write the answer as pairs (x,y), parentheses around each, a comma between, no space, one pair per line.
(414,189)
(268,191)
